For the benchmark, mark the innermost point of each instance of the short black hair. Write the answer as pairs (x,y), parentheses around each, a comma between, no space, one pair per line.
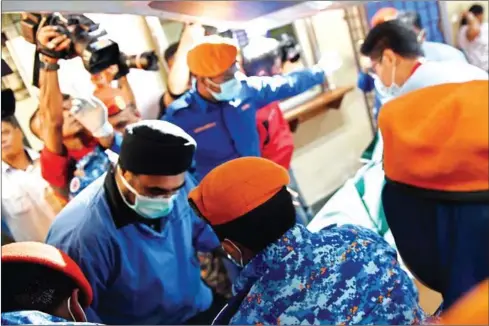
(476,9)
(273,218)
(12,121)
(411,18)
(170,51)
(394,35)
(28,286)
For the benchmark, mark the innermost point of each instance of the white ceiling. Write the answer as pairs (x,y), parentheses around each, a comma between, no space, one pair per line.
(268,21)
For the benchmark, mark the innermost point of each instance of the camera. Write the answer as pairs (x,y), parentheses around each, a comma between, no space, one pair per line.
(289,48)
(146,61)
(88,40)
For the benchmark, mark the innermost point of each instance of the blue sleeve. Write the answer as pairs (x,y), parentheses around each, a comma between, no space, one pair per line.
(276,88)
(365,82)
(116,145)
(203,237)
(92,254)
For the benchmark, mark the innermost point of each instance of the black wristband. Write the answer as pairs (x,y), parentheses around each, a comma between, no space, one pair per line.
(49,66)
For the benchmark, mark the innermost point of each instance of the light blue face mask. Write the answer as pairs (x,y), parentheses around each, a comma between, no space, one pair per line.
(229,90)
(393,90)
(148,207)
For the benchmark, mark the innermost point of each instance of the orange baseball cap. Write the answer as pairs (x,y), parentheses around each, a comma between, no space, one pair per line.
(51,257)
(237,187)
(436,138)
(383,15)
(212,56)
(472,309)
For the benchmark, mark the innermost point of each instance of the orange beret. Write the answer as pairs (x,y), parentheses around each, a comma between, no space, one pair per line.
(212,56)
(383,15)
(51,257)
(471,309)
(436,138)
(237,187)
(113,98)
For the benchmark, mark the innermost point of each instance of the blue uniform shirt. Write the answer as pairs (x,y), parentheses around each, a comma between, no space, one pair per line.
(138,275)
(227,130)
(340,275)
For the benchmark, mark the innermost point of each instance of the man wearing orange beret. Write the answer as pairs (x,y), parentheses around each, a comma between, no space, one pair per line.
(436,162)
(219,112)
(42,285)
(290,276)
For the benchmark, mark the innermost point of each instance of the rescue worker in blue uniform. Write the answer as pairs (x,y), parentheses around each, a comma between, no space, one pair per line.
(291,276)
(135,237)
(220,109)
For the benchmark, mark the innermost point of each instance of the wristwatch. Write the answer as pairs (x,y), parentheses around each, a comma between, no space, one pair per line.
(49,66)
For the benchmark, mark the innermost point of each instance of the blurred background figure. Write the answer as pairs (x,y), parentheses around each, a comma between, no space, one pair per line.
(473,37)
(41,285)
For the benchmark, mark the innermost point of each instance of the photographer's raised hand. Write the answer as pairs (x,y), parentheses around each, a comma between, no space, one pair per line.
(51,42)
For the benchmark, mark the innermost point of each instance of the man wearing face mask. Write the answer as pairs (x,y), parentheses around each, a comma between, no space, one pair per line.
(42,285)
(135,238)
(341,275)
(397,59)
(220,109)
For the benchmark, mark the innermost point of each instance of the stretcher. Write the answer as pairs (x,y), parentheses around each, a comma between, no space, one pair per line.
(359,202)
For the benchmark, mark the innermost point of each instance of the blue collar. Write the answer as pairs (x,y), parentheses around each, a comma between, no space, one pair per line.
(271,258)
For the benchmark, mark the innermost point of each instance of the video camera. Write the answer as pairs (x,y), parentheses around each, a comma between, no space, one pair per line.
(88,41)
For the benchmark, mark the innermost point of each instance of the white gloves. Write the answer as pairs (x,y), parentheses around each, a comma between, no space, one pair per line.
(92,114)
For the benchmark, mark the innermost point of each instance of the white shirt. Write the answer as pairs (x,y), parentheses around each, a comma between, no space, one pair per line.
(477,51)
(25,209)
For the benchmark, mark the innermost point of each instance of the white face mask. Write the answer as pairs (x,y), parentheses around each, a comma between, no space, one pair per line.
(148,207)
(71,313)
(393,90)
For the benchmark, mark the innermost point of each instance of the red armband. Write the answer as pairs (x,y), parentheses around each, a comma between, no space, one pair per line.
(55,168)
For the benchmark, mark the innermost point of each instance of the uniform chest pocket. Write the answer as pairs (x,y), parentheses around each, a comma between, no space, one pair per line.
(16,201)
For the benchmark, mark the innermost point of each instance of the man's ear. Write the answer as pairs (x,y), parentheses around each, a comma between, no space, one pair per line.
(389,57)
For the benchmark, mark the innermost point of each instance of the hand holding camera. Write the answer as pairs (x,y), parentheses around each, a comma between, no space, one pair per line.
(51,43)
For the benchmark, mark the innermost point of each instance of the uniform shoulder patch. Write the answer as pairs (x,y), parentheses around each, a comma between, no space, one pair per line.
(75,185)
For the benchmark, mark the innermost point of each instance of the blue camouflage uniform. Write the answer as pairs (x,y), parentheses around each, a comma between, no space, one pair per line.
(227,130)
(340,275)
(35,318)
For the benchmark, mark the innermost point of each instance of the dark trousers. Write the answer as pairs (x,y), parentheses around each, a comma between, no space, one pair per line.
(206,317)
(444,244)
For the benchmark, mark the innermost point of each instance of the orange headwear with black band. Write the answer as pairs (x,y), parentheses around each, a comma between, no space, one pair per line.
(471,309)
(37,253)
(383,15)
(212,56)
(436,138)
(237,187)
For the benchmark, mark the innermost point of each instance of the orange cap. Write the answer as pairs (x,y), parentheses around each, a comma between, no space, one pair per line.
(471,309)
(383,15)
(212,56)
(237,187)
(113,98)
(51,257)
(436,138)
